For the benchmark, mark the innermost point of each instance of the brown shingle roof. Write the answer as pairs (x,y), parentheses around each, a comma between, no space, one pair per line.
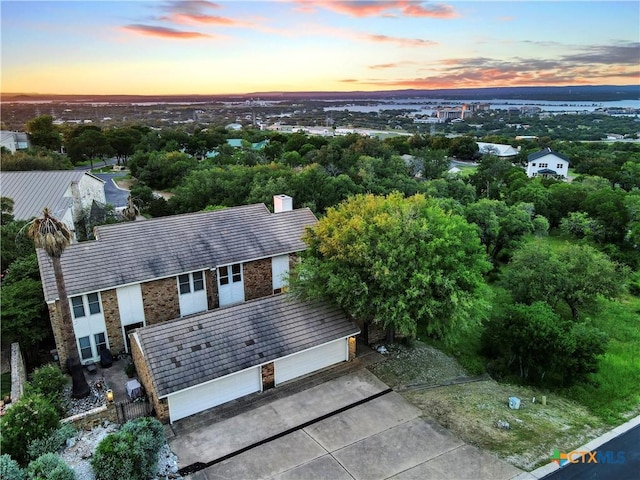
(140,251)
(193,350)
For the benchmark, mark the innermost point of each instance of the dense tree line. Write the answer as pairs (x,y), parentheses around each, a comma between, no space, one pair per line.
(381,195)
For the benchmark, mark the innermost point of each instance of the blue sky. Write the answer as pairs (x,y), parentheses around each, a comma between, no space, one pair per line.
(203,47)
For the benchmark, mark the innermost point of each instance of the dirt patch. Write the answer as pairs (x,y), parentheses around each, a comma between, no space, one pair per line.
(125,183)
(473,411)
(420,364)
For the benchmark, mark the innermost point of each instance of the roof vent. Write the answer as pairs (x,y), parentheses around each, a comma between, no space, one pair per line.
(282,203)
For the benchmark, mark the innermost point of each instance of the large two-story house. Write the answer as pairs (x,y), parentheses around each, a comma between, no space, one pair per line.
(197,300)
(547,163)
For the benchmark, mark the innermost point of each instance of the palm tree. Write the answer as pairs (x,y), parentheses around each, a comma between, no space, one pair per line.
(131,211)
(52,235)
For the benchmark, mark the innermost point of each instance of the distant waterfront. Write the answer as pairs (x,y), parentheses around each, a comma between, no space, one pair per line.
(428,106)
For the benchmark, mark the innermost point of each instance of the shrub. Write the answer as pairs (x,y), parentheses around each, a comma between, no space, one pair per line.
(148,425)
(634,284)
(130,453)
(50,382)
(31,417)
(535,343)
(9,468)
(51,443)
(50,466)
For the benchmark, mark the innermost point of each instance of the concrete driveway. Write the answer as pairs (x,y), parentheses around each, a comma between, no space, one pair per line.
(375,434)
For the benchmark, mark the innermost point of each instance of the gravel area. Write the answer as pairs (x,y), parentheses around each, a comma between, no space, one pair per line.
(95,399)
(419,364)
(80,448)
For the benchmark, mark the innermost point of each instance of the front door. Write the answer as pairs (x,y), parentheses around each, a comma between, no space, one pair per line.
(230,284)
(128,329)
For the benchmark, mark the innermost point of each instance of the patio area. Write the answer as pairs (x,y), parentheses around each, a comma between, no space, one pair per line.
(101,380)
(115,378)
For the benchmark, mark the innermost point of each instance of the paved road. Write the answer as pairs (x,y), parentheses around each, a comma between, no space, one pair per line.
(113,194)
(628,442)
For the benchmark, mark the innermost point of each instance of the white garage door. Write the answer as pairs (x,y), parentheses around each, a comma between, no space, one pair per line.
(196,399)
(311,360)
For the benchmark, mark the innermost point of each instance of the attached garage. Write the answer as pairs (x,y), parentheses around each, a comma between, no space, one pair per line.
(216,392)
(302,363)
(198,362)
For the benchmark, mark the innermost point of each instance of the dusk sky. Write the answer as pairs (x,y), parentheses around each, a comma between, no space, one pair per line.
(203,47)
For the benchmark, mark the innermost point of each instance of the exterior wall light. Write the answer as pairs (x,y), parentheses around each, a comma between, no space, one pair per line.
(110,396)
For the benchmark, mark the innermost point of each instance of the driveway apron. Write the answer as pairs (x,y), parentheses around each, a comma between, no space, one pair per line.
(381,437)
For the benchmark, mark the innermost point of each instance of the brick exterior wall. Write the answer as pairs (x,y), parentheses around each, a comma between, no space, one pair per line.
(352,348)
(268,376)
(58,333)
(211,282)
(257,279)
(160,300)
(112,320)
(161,406)
(93,418)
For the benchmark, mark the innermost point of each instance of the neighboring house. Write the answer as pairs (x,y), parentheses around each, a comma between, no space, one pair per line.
(67,193)
(168,280)
(237,143)
(547,163)
(497,149)
(13,141)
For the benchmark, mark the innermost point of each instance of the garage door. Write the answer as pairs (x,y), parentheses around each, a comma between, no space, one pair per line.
(310,360)
(196,399)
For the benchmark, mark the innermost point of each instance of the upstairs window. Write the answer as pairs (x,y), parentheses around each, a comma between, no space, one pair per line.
(83,303)
(232,273)
(191,282)
(78,307)
(94,303)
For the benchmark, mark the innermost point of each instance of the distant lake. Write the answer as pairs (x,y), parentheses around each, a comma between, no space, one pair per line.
(428,106)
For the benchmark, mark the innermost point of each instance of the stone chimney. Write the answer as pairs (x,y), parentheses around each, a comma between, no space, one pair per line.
(282,203)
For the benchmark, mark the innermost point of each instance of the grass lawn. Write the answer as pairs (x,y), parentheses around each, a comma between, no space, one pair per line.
(573,416)
(466,170)
(472,410)
(615,393)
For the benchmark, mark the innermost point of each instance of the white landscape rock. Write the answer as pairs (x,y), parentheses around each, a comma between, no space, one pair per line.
(80,449)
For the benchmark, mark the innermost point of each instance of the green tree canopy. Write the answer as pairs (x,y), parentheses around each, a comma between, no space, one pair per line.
(34,159)
(89,144)
(500,225)
(402,263)
(30,418)
(534,342)
(575,274)
(44,133)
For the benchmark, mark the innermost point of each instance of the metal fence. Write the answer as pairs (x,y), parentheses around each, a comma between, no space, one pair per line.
(135,409)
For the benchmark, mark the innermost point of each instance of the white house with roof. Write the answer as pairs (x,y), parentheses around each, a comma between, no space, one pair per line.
(66,193)
(199,302)
(14,141)
(497,149)
(547,163)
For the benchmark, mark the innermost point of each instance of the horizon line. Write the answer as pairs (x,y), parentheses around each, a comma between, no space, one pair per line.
(284,92)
